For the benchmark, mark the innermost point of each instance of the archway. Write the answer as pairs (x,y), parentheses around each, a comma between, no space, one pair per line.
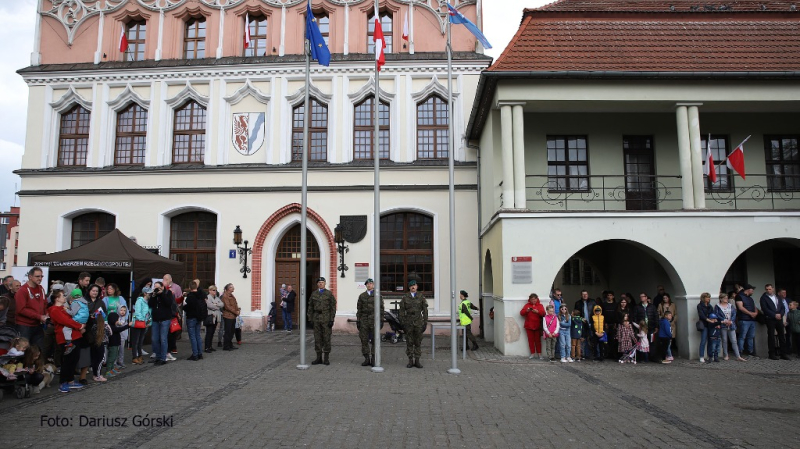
(287,267)
(487,299)
(773,261)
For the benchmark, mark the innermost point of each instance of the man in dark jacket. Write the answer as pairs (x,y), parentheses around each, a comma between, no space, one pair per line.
(196,312)
(647,312)
(773,310)
(585,306)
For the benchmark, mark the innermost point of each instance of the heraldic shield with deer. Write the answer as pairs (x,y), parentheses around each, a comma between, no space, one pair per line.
(249,130)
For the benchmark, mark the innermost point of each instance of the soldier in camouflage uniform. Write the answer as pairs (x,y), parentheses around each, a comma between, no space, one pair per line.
(366,322)
(321,312)
(414,318)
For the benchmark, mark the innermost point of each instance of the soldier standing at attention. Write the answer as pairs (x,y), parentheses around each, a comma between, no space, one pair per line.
(414,318)
(321,311)
(366,322)
(465,316)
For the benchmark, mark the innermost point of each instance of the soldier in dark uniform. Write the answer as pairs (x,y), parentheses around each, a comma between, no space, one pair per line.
(414,318)
(321,312)
(366,322)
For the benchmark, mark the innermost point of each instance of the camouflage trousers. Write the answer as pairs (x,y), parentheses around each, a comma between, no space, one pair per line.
(322,337)
(471,338)
(367,333)
(413,341)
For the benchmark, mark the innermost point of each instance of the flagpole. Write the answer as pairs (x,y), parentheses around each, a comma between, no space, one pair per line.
(303,212)
(451,163)
(376,216)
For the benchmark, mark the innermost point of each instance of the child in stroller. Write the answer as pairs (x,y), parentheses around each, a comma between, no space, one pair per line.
(271,317)
(12,371)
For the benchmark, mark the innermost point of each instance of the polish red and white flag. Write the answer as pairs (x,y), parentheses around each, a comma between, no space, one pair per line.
(123,41)
(247,30)
(380,42)
(709,169)
(736,158)
(405,28)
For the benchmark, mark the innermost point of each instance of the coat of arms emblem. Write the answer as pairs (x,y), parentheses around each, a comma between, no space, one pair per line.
(249,131)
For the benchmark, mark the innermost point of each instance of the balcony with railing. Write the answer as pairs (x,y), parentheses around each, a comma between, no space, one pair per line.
(621,192)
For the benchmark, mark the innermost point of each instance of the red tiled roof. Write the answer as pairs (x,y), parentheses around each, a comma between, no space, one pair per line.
(666,5)
(582,35)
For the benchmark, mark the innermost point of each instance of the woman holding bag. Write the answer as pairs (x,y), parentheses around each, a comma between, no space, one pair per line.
(214,318)
(140,321)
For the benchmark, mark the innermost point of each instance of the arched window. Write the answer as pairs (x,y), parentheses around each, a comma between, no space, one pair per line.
(386,26)
(194,39)
(131,140)
(258,36)
(189,135)
(90,227)
(193,241)
(135,32)
(73,139)
(324,24)
(406,252)
(364,129)
(317,132)
(432,131)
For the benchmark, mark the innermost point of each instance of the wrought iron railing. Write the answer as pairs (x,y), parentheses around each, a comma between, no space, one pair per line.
(657,192)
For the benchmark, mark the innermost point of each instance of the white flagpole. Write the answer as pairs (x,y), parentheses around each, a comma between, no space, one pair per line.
(303,212)
(451,163)
(376,216)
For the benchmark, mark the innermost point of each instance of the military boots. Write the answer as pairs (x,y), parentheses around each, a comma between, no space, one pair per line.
(318,360)
(366,361)
(416,362)
(410,362)
(327,362)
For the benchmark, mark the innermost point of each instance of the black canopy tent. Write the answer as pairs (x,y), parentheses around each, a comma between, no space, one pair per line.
(114,252)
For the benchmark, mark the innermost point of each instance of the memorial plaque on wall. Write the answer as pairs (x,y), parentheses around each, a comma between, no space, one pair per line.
(354,227)
(522,270)
(361,273)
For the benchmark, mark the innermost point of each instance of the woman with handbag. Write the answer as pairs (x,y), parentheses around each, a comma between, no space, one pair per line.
(96,334)
(162,308)
(140,321)
(214,305)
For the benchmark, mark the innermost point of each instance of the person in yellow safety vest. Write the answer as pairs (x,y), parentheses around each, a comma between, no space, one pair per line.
(465,315)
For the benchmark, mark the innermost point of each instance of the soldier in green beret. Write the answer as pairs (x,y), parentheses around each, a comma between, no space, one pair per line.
(366,322)
(414,318)
(321,312)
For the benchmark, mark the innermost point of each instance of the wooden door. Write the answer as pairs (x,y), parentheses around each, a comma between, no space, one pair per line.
(287,269)
(286,273)
(640,192)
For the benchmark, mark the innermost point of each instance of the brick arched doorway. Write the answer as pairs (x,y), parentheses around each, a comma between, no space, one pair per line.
(327,245)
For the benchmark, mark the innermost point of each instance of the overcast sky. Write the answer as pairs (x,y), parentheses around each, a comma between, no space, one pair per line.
(501,20)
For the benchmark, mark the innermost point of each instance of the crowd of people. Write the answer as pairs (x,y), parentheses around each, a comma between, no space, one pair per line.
(629,330)
(77,327)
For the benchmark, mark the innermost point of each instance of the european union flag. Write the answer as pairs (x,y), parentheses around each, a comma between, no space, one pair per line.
(319,51)
(457,18)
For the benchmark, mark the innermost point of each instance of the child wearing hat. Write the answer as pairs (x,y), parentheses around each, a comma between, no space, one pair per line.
(78,309)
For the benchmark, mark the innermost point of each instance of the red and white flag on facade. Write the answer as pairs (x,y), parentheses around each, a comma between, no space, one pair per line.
(405,28)
(736,159)
(123,41)
(247,30)
(380,42)
(710,170)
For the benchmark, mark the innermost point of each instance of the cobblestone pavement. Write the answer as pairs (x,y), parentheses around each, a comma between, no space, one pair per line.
(255,397)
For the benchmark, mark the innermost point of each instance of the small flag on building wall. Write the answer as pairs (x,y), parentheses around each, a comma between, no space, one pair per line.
(405,28)
(736,159)
(247,30)
(710,170)
(380,42)
(123,41)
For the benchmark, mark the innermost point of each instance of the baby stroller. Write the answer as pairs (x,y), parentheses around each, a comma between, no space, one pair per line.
(396,334)
(15,381)
(629,356)
(271,317)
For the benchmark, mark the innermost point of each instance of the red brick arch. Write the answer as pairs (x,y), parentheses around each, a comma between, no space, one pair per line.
(261,237)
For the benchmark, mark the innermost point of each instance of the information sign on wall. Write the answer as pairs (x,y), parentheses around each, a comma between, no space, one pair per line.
(522,270)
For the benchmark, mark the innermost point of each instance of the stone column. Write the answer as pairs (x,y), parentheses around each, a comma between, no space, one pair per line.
(520,195)
(506,139)
(697,158)
(687,337)
(684,156)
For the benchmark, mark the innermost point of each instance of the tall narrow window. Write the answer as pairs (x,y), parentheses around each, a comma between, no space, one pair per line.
(193,241)
(317,132)
(364,130)
(135,33)
(406,252)
(783,162)
(324,24)
(73,140)
(90,227)
(130,144)
(719,151)
(567,163)
(258,37)
(194,39)
(386,26)
(189,134)
(432,132)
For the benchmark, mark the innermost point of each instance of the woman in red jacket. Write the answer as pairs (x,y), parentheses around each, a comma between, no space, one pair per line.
(60,317)
(533,313)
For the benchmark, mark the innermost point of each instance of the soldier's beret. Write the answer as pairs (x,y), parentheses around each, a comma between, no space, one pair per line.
(412,282)
(464,292)
(321,279)
(368,281)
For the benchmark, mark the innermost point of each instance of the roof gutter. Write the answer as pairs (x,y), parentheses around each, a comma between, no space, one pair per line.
(488,84)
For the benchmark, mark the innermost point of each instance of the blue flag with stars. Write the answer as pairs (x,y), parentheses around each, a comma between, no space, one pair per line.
(459,19)
(319,51)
